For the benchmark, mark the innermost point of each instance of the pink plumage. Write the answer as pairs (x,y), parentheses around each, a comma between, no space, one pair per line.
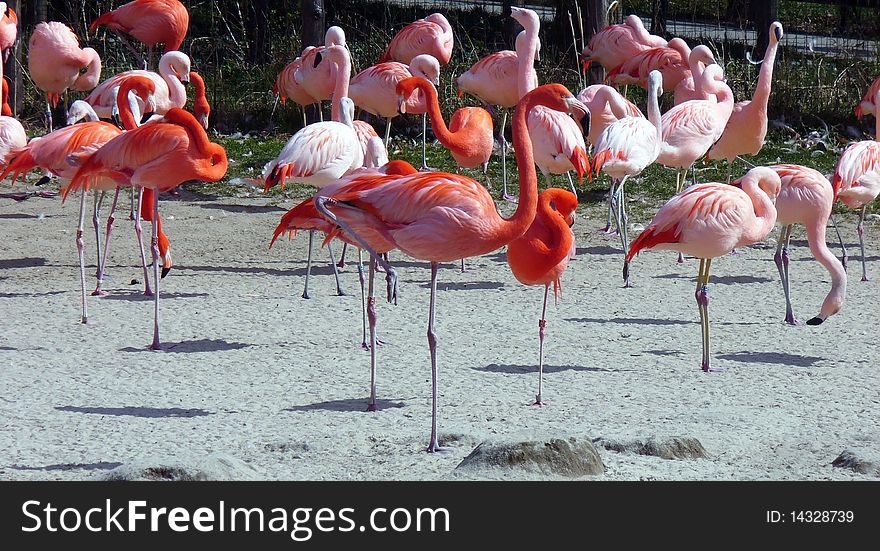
(606,107)
(431,35)
(615,44)
(493,78)
(671,61)
(150,21)
(55,60)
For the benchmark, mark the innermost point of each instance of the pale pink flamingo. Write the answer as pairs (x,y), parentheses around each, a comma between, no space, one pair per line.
(286,86)
(160,155)
(150,21)
(856,179)
(671,61)
(322,152)
(625,149)
(806,197)
(319,79)
(747,126)
(708,221)
(374,91)
(8,35)
(494,80)
(691,86)
(55,63)
(174,72)
(867,105)
(442,217)
(541,255)
(690,128)
(615,44)
(431,35)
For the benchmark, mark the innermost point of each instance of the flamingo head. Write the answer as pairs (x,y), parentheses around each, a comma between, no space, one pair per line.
(335,36)
(776,31)
(585,59)
(525,17)
(405,89)
(426,66)
(564,202)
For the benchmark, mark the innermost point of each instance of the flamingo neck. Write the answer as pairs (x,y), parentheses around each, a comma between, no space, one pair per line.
(343,75)
(124,104)
(654,107)
(835,297)
(438,125)
(526,61)
(557,251)
(176,91)
(765,76)
(213,162)
(522,218)
(608,96)
(765,210)
(876,117)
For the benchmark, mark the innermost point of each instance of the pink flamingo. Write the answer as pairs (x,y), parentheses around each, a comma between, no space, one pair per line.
(671,61)
(626,148)
(856,179)
(160,155)
(322,152)
(747,126)
(708,221)
(55,62)
(615,44)
(540,256)
(8,35)
(375,90)
(494,80)
(691,87)
(286,86)
(806,197)
(174,72)
(150,21)
(867,105)
(319,79)
(690,128)
(431,35)
(441,217)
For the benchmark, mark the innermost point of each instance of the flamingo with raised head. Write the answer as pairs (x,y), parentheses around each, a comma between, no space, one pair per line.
(442,217)
(317,79)
(747,126)
(160,155)
(708,221)
(431,35)
(151,22)
(541,255)
(615,44)
(626,148)
(56,63)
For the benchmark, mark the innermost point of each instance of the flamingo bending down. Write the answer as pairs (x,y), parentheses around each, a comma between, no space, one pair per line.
(691,87)
(322,152)
(856,179)
(541,255)
(708,221)
(806,197)
(286,87)
(150,21)
(626,148)
(493,79)
(374,91)
(615,44)
(690,128)
(747,126)
(160,155)
(431,35)
(55,62)
(441,217)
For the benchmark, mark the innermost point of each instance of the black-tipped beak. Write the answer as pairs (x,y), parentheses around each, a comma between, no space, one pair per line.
(318,59)
(585,122)
(778,32)
(165,272)
(815,321)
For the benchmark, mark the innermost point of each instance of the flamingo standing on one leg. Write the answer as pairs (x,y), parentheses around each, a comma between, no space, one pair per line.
(160,155)
(747,126)
(493,79)
(541,255)
(322,152)
(806,197)
(626,148)
(286,86)
(150,21)
(441,217)
(856,179)
(55,62)
(708,221)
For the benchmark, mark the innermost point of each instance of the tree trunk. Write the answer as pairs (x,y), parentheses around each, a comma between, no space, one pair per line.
(659,9)
(766,12)
(258,23)
(595,13)
(312,35)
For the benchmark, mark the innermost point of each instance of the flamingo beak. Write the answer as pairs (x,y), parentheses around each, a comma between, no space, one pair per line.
(203,120)
(778,32)
(401,105)
(585,64)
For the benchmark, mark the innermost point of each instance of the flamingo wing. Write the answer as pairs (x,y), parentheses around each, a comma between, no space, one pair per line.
(325,149)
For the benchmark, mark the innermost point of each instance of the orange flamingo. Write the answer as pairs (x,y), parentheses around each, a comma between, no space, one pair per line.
(55,62)
(160,155)
(150,21)
(441,217)
(541,255)
(708,221)
(431,35)
(8,35)
(806,197)
(747,126)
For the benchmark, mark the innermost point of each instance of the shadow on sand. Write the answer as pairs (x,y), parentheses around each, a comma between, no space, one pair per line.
(200,345)
(130,411)
(99,466)
(349,404)
(775,358)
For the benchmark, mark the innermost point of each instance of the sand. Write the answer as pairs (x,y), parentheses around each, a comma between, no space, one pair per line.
(252,370)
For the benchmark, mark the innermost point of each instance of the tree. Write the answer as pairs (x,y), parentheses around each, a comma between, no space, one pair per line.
(595,13)
(312,35)
(260,42)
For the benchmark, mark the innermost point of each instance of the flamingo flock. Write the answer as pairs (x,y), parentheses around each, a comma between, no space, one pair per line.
(380,205)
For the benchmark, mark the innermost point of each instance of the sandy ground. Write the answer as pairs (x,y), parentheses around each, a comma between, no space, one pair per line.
(255,371)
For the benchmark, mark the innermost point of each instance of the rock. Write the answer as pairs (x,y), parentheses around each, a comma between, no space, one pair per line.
(673,447)
(216,466)
(872,217)
(573,456)
(859,460)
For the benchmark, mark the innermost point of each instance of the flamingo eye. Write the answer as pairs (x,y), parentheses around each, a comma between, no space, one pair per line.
(82,70)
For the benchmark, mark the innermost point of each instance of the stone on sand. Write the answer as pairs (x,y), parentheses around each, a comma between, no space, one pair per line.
(215,466)
(566,456)
(673,447)
(860,460)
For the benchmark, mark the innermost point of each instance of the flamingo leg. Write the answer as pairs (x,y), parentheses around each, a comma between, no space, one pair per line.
(782,259)
(425,166)
(149,58)
(702,296)
(844,258)
(542,324)
(139,231)
(96,222)
(371,316)
(861,231)
(434,444)
(339,290)
(135,203)
(320,112)
(49,115)
(571,182)
(677,182)
(102,267)
(154,248)
(729,171)
(364,344)
(309,264)
(79,249)
(341,263)
(607,228)
(693,173)
(387,131)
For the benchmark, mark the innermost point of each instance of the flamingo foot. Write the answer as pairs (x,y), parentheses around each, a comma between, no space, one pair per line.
(98,292)
(426,168)
(306,295)
(84,320)
(148,293)
(865,278)
(680,258)
(155,344)
(366,346)
(539,402)
(791,320)
(341,264)
(844,260)
(510,198)
(434,447)
(372,407)
(734,252)
(708,369)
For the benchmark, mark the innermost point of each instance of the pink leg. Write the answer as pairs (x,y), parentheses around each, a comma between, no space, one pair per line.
(371,316)
(154,248)
(542,324)
(102,268)
(341,263)
(861,230)
(79,249)
(140,232)
(434,444)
